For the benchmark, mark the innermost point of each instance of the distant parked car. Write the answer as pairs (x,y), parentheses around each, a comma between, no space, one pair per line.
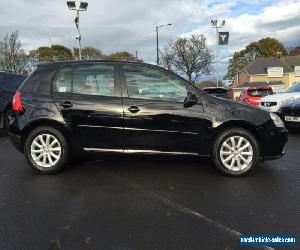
(9,83)
(274,102)
(290,112)
(218,92)
(253,95)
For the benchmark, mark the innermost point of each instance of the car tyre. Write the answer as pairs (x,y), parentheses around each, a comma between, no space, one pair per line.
(235,152)
(46,150)
(6,118)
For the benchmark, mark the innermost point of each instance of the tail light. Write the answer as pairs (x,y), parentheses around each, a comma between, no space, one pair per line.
(17,102)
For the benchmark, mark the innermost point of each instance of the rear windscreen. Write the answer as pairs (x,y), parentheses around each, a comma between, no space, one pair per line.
(260,92)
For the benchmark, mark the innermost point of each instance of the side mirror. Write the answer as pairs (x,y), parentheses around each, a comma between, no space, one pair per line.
(190,100)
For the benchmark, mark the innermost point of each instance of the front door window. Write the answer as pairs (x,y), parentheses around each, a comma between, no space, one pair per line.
(153,84)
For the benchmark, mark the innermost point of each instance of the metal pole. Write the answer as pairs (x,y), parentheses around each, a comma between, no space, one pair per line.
(217,42)
(79,37)
(157,51)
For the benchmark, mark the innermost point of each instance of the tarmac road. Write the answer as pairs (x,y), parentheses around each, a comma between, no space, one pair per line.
(145,203)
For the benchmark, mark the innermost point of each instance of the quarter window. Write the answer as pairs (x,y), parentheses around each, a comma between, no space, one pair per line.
(63,81)
(94,80)
(153,84)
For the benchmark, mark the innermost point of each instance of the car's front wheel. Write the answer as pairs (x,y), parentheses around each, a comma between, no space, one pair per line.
(236,152)
(46,150)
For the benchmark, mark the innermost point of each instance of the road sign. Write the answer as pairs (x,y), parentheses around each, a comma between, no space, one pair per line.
(223,38)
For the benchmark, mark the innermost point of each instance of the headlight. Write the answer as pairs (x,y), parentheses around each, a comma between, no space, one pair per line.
(277,120)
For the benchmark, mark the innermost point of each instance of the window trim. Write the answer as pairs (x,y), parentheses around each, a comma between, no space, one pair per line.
(153,67)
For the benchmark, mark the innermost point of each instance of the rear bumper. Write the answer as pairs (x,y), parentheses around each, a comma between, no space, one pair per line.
(16,141)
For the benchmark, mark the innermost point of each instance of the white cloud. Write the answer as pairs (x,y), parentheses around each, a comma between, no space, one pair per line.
(113,25)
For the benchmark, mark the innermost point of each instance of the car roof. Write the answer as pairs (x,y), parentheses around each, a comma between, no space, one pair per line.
(77,62)
(10,73)
(214,88)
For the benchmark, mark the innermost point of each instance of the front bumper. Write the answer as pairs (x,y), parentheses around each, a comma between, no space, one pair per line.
(274,140)
(273,157)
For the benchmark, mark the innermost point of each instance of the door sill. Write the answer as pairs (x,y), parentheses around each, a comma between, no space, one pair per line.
(131,151)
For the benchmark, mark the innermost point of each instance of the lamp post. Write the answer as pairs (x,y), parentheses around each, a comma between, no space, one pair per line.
(82,7)
(157,47)
(214,25)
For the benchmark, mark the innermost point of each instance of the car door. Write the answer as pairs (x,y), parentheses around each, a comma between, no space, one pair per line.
(88,96)
(155,120)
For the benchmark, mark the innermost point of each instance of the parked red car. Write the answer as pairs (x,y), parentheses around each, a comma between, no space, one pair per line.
(253,95)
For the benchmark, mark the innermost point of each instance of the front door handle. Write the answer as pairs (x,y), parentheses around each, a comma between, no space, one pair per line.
(66,104)
(133,109)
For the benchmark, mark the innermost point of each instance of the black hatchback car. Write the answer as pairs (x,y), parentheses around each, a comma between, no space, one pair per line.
(66,108)
(9,83)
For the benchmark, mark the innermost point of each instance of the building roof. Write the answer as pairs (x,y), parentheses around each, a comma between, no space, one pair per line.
(291,61)
(260,65)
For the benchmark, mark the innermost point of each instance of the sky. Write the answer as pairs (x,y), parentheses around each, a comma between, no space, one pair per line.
(116,25)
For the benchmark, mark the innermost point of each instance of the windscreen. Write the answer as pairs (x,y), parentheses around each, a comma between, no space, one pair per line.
(294,88)
(260,92)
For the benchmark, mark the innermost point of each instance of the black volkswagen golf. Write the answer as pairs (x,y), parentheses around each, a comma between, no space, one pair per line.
(66,108)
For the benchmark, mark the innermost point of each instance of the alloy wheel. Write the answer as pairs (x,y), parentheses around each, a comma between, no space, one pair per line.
(46,150)
(236,153)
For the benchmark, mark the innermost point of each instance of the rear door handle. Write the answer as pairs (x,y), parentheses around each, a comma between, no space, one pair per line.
(66,104)
(133,109)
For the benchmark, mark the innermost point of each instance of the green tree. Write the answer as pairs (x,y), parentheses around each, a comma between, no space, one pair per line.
(88,53)
(12,55)
(49,54)
(266,47)
(188,56)
(121,56)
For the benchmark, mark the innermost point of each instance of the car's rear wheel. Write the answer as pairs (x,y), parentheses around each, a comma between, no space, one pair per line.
(46,150)
(236,152)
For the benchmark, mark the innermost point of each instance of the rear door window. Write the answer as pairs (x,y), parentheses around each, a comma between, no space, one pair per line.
(94,80)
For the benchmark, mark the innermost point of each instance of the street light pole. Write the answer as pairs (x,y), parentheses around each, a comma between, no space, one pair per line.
(79,35)
(82,7)
(214,25)
(157,40)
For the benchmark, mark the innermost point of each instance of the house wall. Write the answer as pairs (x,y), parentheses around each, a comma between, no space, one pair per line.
(243,77)
(286,79)
(294,78)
